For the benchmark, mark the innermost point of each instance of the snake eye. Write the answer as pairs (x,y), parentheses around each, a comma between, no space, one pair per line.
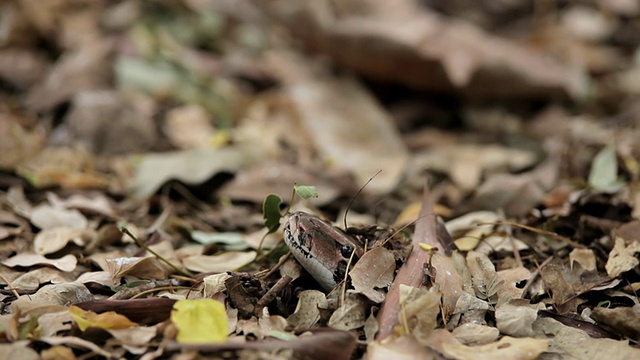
(346,251)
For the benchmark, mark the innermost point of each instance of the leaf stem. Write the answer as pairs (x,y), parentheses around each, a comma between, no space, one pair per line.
(126,231)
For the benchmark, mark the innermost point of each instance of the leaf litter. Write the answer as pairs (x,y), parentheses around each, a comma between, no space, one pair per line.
(197,126)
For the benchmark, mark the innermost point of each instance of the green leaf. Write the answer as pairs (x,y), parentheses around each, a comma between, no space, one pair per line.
(271,212)
(604,170)
(200,321)
(306,191)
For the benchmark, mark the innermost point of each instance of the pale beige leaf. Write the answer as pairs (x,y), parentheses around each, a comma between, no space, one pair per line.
(363,147)
(48,217)
(307,311)
(227,261)
(475,334)
(351,315)
(622,257)
(516,318)
(65,263)
(142,267)
(568,340)
(51,240)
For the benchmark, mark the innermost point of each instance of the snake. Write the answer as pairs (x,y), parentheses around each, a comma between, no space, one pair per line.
(322,249)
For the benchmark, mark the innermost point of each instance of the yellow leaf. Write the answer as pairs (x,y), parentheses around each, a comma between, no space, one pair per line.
(200,321)
(427,247)
(107,320)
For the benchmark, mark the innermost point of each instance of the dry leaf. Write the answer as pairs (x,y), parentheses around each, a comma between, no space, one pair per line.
(307,311)
(568,340)
(363,147)
(448,280)
(142,267)
(50,240)
(516,318)
(65,263)
(190,166)
(351,315)
(227,261)
(622,257)
(421,309)
(373,273)
(475,334)
(200,321)
(402,348)
(106,320)
(49,217)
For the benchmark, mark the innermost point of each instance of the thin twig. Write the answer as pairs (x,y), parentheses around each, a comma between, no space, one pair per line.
(184,272)
(13,290)
(268,297)
(538,231)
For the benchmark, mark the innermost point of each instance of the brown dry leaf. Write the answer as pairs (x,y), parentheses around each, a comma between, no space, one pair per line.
(143,267)
(22,68)
(271,324)
(76,342)
(350,315)
(84,68)
(401,348)
(31,280)
(506,348)
(214,284)
(516,317)
(58,352)
(500,242)
(449,282)
(53,239)
(307,311)
(421,309)
(510,278)
(557,279)
(53,297)
(227,261)
(410,44)
(10,224)
(47,217)
(483,274)
(467,231)
(567,340)
(18,350)
(136,339)
(69,168)
(65,263)
(362,147)
(622,257)
(625,320)
(256,182)
(17,143)
(466,163)
(107,122)
(371,326)
(93,203)
(585,257)
(475,334)
(98,277)
(189,127)
(53,322)
(373,273)
(190,166)
(517,195)
(468,304)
